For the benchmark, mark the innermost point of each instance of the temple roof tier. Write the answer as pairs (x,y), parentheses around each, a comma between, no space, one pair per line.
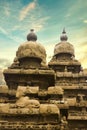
(31,49)
(64,47)
(70,74)
(64,62)
(29,71)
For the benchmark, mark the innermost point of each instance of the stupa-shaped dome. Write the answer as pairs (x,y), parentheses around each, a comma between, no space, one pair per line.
(31,49)
(64,46)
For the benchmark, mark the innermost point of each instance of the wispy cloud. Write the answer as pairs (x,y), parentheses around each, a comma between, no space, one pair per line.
(85,21)
(1,77)
(26,10)
(16,27)
(4,63)
(49,50)
(14,38)
(81,53)
(83,61)
(39,24)
(76,8)
(67,15)
(2,30)
(7,10)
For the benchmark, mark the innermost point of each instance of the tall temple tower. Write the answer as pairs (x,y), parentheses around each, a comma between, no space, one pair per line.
(30,82)
(29,67)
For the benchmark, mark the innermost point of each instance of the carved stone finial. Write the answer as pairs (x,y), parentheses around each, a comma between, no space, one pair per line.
(64,31)
(32,36)
(63,37)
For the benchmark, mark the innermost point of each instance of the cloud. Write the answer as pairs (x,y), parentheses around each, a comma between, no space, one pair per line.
(76,8)
(29,16)
(39,24)
(49,51)
(68,15)
(26,10)
(83,44)
(85,21)
(7,10)
(3,31)
(81,54)
(1,77)
(4,63)
(15,38)
(9,35)
(16,27)
(83,61)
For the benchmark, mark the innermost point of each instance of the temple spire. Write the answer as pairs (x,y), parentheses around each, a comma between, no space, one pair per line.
(64,31)
(63,37)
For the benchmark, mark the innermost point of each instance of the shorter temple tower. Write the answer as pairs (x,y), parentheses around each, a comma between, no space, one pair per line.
(73,80)
(69,73)
(64,56)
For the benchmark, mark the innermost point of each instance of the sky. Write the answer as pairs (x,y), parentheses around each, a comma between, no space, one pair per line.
(47,18)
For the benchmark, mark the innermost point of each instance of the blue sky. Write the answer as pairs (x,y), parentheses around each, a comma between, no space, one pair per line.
(48,18)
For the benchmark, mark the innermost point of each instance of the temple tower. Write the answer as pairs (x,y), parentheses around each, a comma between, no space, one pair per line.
(64,56)
(30,82)
(29,67)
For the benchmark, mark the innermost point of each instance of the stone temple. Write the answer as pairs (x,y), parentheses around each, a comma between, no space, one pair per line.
(38,96)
